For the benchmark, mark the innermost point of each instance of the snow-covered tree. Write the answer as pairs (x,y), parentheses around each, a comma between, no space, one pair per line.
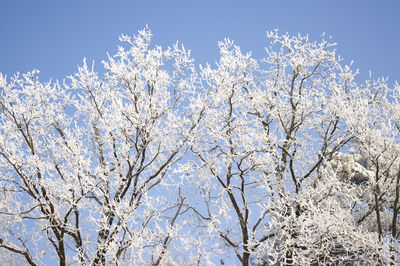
(273,157)
(282,160)
(85,165)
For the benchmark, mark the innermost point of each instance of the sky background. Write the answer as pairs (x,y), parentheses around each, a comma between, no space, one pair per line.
(54,36)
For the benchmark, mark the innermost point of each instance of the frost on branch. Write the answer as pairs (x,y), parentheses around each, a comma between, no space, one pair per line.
(285,159)
(351,167)
(86,164)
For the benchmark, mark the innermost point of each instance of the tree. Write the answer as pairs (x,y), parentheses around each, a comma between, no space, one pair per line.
(86,164)
(268,147)
(283,160)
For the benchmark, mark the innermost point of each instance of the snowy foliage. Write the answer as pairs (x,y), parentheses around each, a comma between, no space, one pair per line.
(281,160)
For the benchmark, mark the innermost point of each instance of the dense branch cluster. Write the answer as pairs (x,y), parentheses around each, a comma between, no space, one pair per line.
(282,160)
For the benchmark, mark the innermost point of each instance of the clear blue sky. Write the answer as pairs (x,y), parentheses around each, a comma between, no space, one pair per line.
(54,36)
